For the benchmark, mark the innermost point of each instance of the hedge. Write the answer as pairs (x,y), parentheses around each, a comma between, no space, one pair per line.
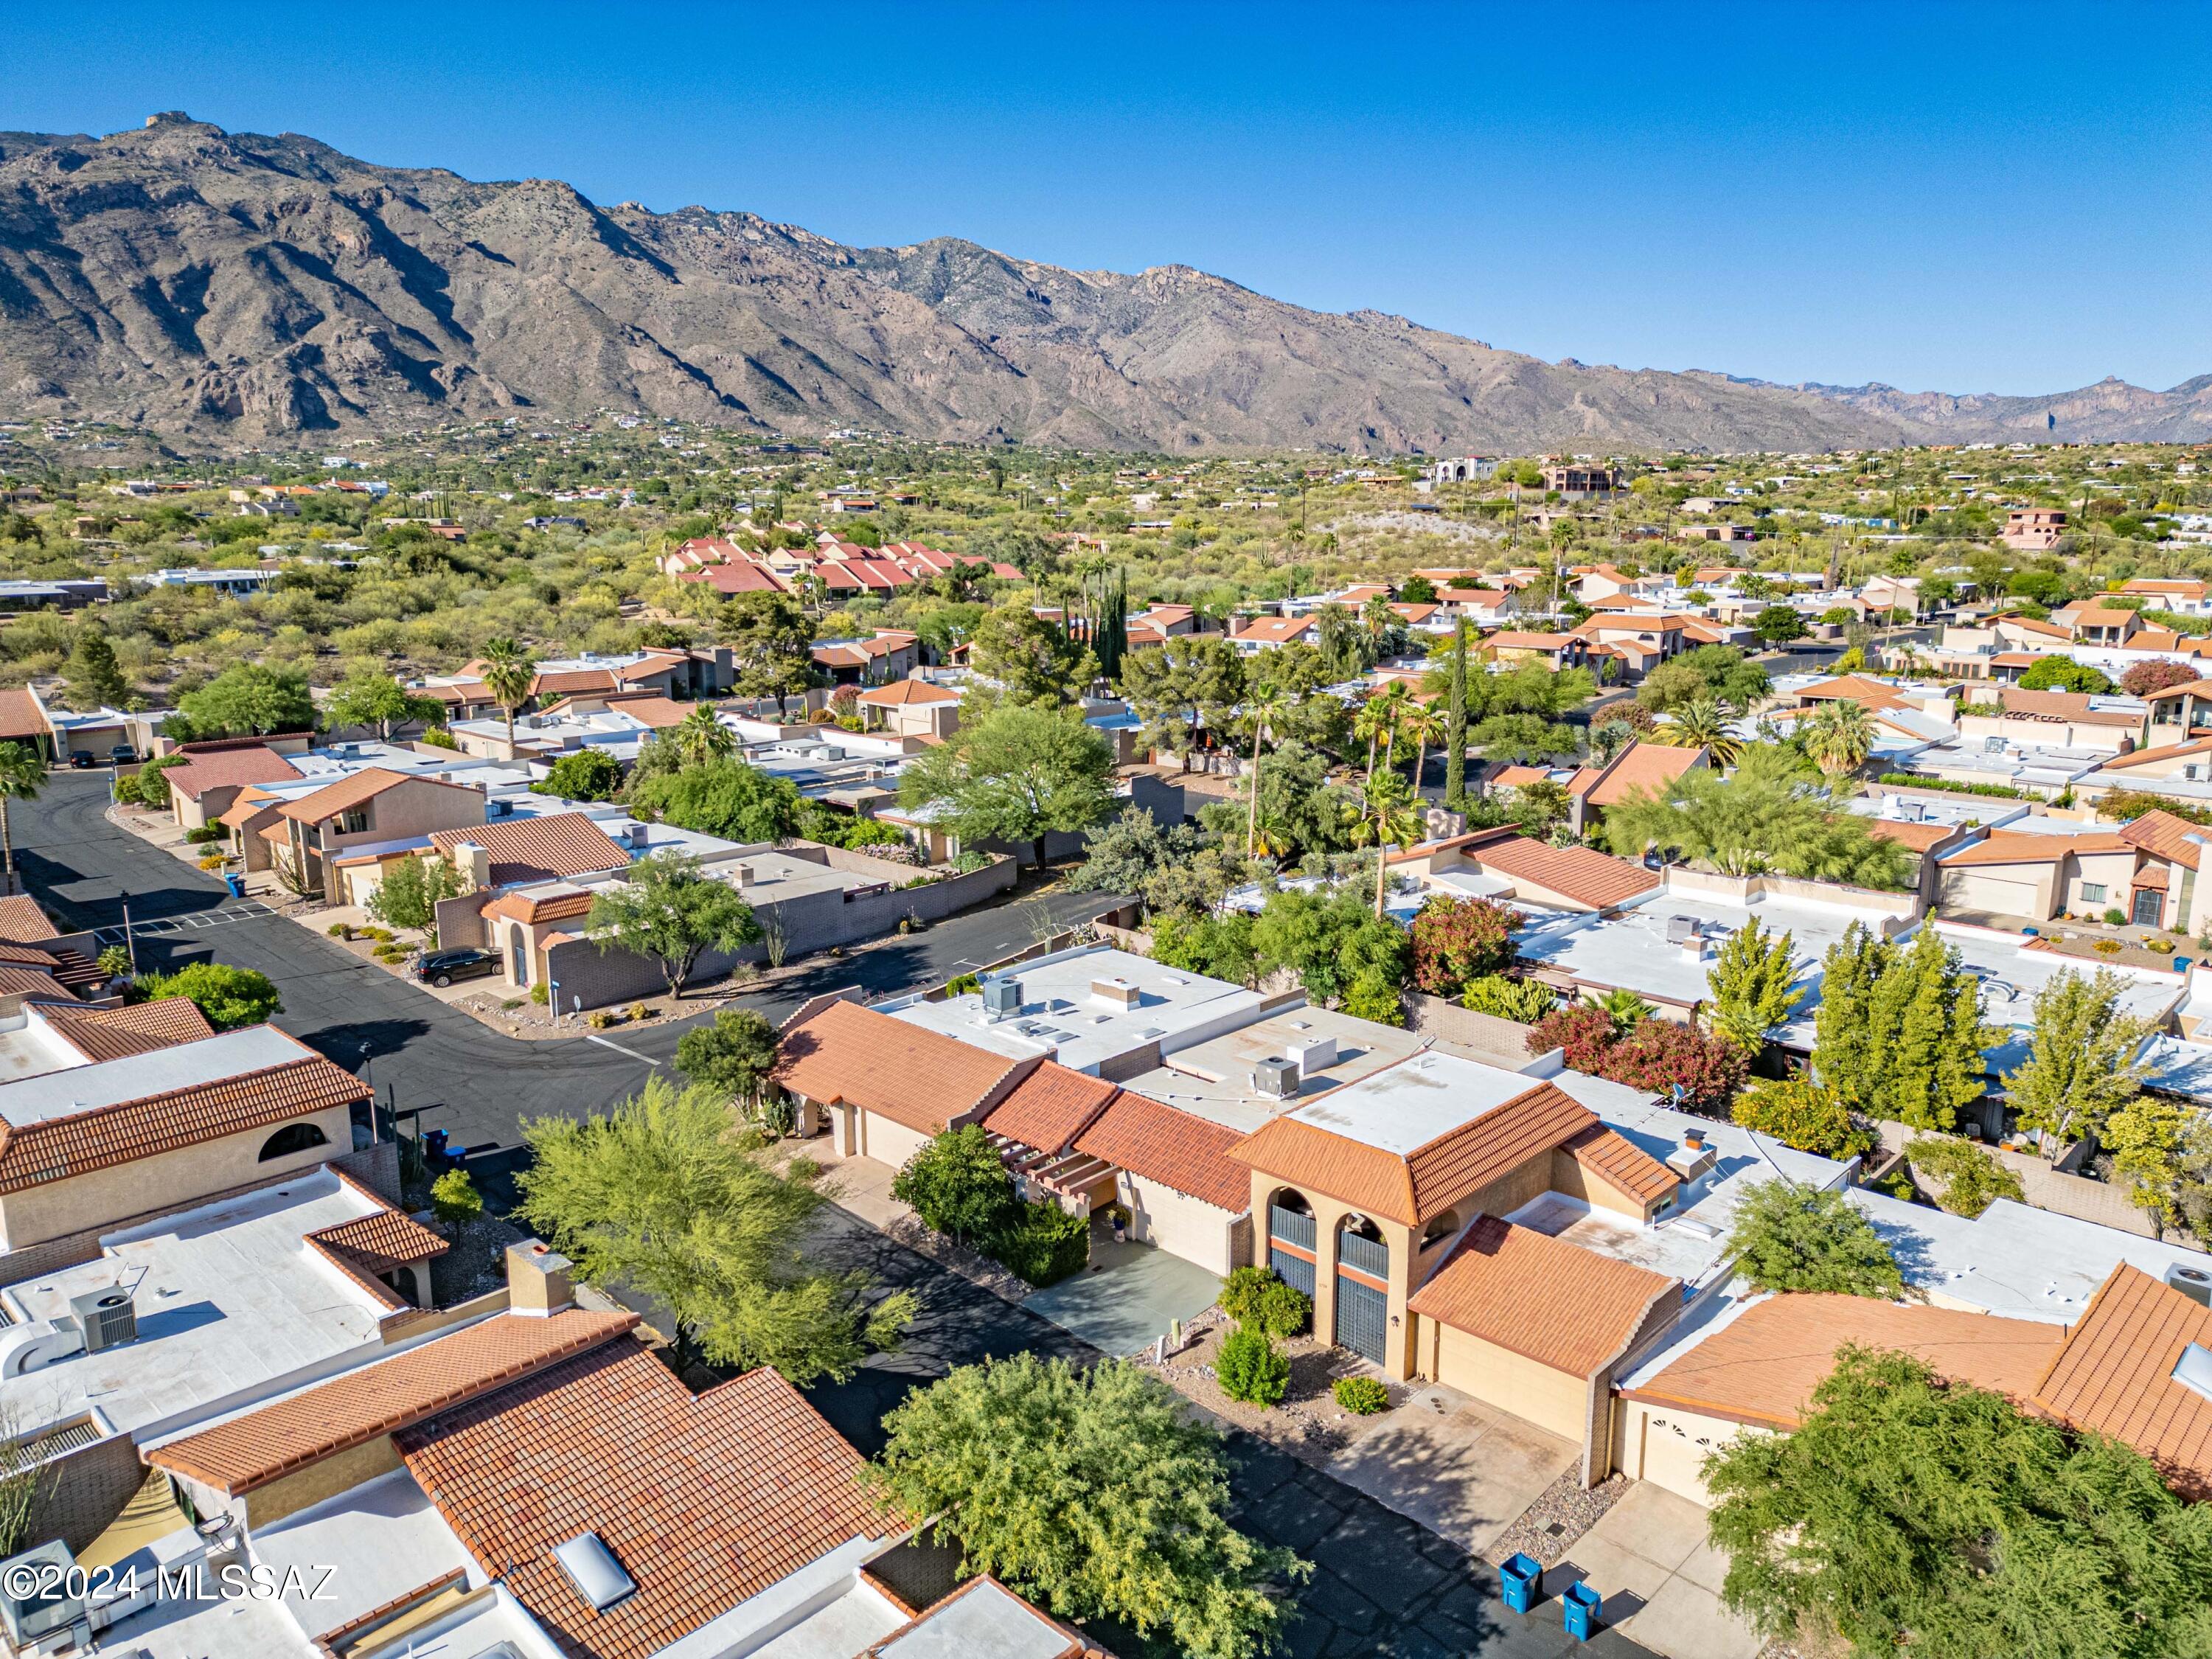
(1043,1245)
(1914,781)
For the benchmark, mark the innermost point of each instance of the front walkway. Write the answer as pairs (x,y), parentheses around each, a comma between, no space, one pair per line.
(1651,1551)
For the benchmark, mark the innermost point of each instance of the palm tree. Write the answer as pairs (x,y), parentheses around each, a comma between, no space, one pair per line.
(1377,618)
(1625,1009)
(1262,710)
(701,738)
(1702,723)
(1838,738)
(508,672)
(23,775)
(1387,820)
(1424,723)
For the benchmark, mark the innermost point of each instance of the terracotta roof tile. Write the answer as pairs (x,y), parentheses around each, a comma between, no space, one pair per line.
(353,1409)
(22,922)
(1581,874)
(2115,1375)
(902,692)
(1643,766)
(1275,629)
(539,849)
(376,1244)
(1048,1109)
(1552,1302)
(21,979)
(21,717)
(349,792)
(225,768)
(2020,846)
(530,909)
(1918,837)
(2072,707)
(56,1148)
(103,1033)
(705,1501)
(1763,1365)
(1432,1177)
(562,682)
(1175,1148)
(850,1054)
(1616,1159)
(2165,836)
(2170,752)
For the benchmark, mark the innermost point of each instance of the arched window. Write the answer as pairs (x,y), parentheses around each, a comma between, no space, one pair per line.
(1441,1226)
(292,1138)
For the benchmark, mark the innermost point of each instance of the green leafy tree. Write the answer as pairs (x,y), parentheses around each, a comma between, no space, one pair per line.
(1785,1236)
(1016,774)
(771,646)
(1753,982)
(725,798)
(1773,814)
(23,775)
(958,1185)
(2063,673)
(1221,947)
(249,700)
(2083,1064)
(454,1199)
(587,774)
(1798,1112)
(1094,1492)
(409,894)
(1374,996)
(230,997)
(1190,684)
(95,679)
(369,698)
(1969,1178)
(733,1055)
(1777,624)
(1455,707)
(1127,853)
(1327,939)
(1034,659)
(1457,940)
(1388,818)
(2148,1140)
(1906,1515)
(669,911)
(700,738)
(1258,1297)
(509,674)
(665,1196)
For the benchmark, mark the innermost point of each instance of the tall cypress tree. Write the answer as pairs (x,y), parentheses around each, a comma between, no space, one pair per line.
(1455,722)
(1846,1052)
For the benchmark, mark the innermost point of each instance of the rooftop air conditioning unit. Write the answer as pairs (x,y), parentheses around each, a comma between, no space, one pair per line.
(2195,1283)
(1002,998)
(1681,930)
(636,835)
(108,1318)
(1276,1076)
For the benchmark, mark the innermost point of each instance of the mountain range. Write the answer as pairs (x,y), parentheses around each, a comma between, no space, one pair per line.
(243,289)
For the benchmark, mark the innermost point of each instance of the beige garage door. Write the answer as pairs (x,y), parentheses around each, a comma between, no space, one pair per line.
(1673,1455)
(888,1142)
(1497,1376)
(1967,889)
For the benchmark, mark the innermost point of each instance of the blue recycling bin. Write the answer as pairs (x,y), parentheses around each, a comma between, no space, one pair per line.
(1523,1576)
(237,885)
(1581,1607)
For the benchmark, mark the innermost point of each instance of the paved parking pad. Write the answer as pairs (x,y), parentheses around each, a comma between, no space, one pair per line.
(1127,1296)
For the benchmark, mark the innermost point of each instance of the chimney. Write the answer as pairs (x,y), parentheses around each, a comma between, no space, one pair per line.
(746,877)
(1116,992)
(473,861)
(1693,1158)
(537,1280)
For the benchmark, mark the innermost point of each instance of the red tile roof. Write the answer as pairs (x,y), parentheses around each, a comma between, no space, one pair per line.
(705,1501)
(846,1054)
(2115,1375)
(900,692)
(1549,1301)
(353,1409)
(345,794)
(22,922)
(1158,1142)
(1432,1177)
(1763,1365)
(565,681)
(1649,766)
(539,849)
(21,717)
(376,1244)
(103,1033)
(227,767)
(530,908)
(1615,1158)
(56,1148)
(2165,836)
(1581,874)
(1048,1109)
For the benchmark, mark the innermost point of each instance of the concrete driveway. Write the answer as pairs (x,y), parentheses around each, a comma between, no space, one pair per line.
(1463,1470)
(1649,1558)
(1127,1296)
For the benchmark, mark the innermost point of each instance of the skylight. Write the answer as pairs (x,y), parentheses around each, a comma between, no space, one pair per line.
(592,1569)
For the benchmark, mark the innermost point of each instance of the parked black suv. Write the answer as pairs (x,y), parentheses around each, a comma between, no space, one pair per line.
(444,967)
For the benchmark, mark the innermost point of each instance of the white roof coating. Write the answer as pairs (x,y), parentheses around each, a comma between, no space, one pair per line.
(1407,1105)
(2013,1259)
(232,1306)
(1063,1016)
(30,1047)
(984,1622)
(183,1065)
(1213,1079)
(383,1538)
(2011,975)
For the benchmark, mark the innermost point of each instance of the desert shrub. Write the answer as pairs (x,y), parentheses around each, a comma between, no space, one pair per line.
(538,994)
(454,1198)
(1252,1369)
(1362,1396)
(638,1011)
(206,833)
(1042,1244)
(601,1019)
(1257,1298)
(1524,1001)
(2115,917)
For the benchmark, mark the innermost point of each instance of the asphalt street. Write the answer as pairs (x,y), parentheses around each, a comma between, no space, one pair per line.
(419,1055)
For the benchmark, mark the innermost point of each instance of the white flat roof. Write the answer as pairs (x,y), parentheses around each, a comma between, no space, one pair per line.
(383,1538)
(1408,1105)
(985,1622)
(1213,1079)
(2011,975)
(184,1066)
(1062,1015)
(2013,1260)
(29,1047)
(232,1306)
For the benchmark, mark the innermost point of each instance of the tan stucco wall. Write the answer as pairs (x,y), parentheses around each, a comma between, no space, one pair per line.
(1398,1352)
(1179,1225)
(415,807)
(171,1180)
(1552,1400)
(304,1488)
(1571,1179)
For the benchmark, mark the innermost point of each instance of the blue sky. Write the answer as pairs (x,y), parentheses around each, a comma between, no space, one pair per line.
(1964,197)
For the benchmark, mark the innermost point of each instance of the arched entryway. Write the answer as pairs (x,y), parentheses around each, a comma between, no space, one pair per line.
(517,955)
(1363,1288)
(1291,1239)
